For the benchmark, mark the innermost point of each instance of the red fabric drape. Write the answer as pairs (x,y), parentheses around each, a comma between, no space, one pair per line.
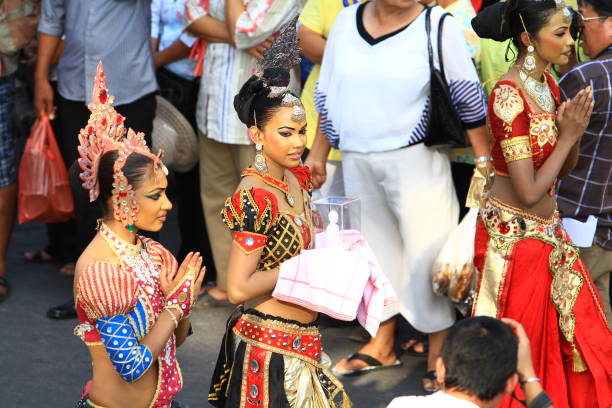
(526,298)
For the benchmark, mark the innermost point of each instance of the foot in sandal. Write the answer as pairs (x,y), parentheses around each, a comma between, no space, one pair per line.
(366,360)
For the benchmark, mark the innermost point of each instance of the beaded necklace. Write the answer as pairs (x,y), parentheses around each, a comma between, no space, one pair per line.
(136,257)
(282,185)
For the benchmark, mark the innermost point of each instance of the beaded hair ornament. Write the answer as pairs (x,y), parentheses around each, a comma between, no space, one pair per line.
(104,133)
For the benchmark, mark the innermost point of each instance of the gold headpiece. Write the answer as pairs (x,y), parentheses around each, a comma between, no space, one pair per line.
(106,132)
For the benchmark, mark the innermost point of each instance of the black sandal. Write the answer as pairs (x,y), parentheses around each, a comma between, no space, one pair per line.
(410,350)
(372,365)
(432,376)
(4,283)
(37,257)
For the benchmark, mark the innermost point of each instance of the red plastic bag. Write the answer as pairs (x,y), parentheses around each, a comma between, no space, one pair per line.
(44,190)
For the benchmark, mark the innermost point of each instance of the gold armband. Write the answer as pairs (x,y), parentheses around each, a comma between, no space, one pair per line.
(516,148)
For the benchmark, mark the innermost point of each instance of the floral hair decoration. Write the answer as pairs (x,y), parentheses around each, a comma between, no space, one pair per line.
(105,132)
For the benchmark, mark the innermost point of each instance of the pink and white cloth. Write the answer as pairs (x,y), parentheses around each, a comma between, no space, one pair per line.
(342,283)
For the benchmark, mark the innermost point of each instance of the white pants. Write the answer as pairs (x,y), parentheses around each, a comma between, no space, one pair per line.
(409,208)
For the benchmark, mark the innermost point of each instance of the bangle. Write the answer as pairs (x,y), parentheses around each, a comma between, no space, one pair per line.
(528,380)
(483,159)
(173,317)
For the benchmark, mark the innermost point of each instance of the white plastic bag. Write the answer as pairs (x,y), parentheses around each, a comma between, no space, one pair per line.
(453,273)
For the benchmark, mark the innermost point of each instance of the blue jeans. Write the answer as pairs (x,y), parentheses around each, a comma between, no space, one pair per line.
(8,155)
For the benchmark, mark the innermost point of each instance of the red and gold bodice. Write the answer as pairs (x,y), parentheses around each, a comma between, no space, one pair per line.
(130,289)
(254,217)
(518,132)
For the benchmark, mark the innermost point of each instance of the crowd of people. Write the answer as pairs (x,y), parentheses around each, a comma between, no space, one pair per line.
(295,100)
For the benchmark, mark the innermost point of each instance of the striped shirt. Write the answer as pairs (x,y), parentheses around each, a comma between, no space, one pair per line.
(587,190)
(118,33)
(226,67)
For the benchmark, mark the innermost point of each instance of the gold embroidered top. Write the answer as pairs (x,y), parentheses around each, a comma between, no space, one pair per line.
(519,132)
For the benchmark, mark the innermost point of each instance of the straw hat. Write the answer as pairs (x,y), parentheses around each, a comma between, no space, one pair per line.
(173,133)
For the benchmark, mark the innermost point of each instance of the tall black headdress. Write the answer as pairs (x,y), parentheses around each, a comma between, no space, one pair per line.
(272,76)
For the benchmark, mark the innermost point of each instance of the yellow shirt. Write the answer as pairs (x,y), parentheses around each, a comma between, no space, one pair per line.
(319,16)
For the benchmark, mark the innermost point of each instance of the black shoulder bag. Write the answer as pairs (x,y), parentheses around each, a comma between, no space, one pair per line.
(444,128)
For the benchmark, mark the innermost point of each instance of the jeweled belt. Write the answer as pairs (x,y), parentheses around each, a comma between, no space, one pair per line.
(508,225)
(278,336)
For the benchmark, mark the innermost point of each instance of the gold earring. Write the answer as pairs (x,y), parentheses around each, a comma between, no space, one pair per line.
(260,160)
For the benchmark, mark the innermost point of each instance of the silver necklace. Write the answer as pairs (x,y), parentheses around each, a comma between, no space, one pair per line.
(538,91)
(136,257)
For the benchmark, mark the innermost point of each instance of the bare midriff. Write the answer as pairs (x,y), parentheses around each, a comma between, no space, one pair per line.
(275,307)
(109,390)
(502,190)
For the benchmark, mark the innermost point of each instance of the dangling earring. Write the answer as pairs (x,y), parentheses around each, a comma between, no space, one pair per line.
(529,64)
(260,160)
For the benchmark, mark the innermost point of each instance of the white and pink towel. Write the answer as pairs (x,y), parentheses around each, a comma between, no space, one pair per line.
(342,283)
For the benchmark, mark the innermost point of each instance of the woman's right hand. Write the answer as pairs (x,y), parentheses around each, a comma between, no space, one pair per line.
(258,50)
(573,116)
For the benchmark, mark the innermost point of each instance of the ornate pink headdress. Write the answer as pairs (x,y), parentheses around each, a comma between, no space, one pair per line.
(105,132)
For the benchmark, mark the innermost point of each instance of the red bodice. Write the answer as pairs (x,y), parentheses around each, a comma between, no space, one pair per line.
(108,289)
(517,131)
(257,223)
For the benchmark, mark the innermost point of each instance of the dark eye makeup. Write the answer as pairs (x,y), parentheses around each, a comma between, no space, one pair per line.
(283,131)
(155,194)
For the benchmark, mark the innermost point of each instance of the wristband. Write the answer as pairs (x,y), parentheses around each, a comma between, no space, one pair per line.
(528,380)
(483,159)
(541,401)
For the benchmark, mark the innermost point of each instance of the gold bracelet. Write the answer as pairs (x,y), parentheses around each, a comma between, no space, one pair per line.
(177,308)
(173,317)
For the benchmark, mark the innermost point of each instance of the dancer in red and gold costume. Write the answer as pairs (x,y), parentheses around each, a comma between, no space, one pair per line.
(132,299)
(530,270)
(271,354)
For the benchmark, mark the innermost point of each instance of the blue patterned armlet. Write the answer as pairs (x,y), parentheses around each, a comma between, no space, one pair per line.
(120,334)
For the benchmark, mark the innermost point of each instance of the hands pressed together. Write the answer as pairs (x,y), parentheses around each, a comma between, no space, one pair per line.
(181,289)
(573,116)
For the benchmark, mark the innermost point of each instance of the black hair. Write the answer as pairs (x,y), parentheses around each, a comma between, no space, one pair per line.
(480,355)
(135,170)
(503,21)
(601,7)
(253,105)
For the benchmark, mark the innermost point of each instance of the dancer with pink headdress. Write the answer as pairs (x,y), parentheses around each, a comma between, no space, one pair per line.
(132,299)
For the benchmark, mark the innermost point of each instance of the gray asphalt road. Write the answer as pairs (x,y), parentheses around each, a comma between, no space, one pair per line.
(42,364)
